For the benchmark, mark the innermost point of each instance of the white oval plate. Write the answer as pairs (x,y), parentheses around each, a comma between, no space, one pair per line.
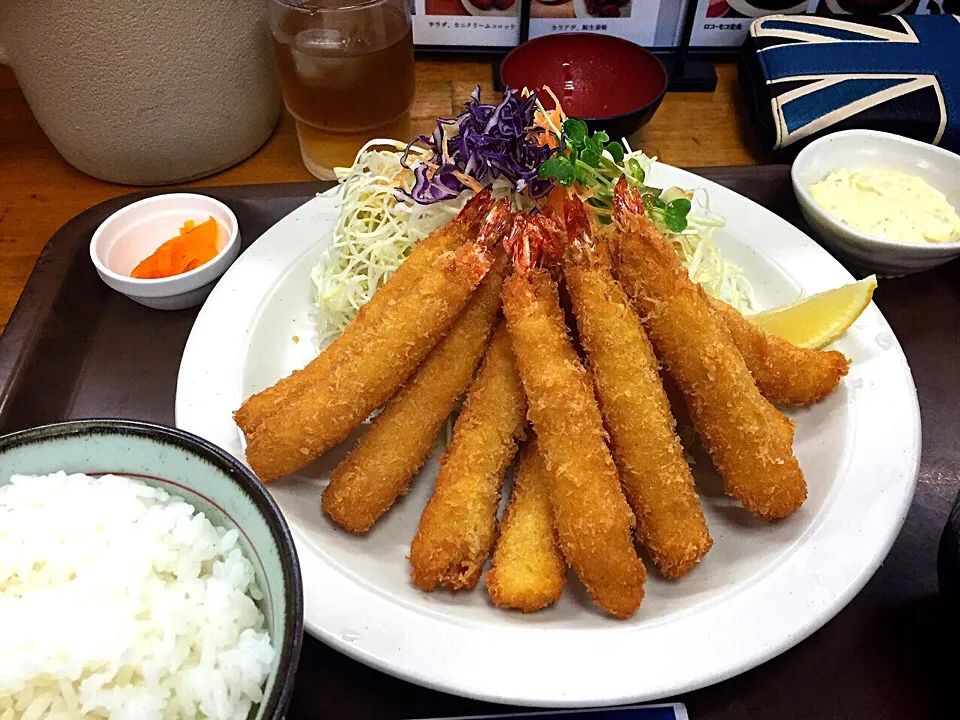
(762,588)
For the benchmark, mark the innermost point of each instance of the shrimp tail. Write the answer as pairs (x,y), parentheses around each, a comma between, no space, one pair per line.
(534,240)
(476,209)
(517,243)
(627,199)
(497,222)
(580,242)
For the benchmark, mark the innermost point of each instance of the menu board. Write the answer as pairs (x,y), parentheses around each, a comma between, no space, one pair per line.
(495,23)
(652,23)
(726,23)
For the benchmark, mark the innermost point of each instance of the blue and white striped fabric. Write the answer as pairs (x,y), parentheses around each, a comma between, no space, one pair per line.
(900,74)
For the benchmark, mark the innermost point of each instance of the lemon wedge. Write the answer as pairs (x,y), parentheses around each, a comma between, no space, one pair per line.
(820,319)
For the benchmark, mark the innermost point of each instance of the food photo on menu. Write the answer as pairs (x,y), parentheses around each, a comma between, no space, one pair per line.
(483,8)
(581,9)
(460,359)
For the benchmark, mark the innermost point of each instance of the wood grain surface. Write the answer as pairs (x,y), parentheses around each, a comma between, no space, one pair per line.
(39,191)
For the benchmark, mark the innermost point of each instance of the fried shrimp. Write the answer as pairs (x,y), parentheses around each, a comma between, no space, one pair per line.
(462,229)
(528,571)
(374,356)
(380,468)
(593,520)
(647,451)
(459,523)
(749,440)
(785,374)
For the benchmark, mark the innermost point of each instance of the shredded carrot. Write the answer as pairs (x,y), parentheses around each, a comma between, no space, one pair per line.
(550,121)
(468,181)
(193,247)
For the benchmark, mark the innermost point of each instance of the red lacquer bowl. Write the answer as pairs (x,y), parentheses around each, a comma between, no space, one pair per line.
(613,84)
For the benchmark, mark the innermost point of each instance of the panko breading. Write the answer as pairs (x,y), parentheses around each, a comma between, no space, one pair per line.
(647,451)
(380,468)
(462,229)
(593,521)
(785,374)
(375,358)
(749,440)
(528,571)
(459,523)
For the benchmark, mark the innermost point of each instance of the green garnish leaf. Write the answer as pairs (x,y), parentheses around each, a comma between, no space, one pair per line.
(675,215)
(601,137)
(616,152)
(593,143)
(591,156)
(550,167)
(583,175)
(566,176)
(559,168)
(674,223)
(635,171)
(575,130)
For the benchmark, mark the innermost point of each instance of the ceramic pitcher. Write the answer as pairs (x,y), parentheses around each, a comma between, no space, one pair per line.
(145,92)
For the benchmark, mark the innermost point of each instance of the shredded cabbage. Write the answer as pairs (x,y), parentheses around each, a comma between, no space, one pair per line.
(697,248)
(376,230)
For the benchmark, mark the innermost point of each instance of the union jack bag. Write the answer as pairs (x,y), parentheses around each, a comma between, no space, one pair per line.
(805,76)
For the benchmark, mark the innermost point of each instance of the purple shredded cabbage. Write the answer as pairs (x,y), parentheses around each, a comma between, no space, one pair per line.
(491,141)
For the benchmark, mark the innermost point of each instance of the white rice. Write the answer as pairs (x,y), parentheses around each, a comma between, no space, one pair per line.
(119,600)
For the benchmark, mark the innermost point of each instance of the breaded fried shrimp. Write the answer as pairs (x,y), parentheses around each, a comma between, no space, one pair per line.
(374,359)
(785,374)
(647,451)
(528,571)
(593,520)
(368,481)
(459,523)
(463,228)
(749,440)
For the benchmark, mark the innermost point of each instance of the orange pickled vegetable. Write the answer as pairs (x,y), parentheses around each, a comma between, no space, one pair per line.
(194,246)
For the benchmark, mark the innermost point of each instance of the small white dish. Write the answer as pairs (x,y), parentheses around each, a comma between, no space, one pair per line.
(870,148)
(132,234)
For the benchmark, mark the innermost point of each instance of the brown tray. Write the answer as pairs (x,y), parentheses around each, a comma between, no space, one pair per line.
(75,349)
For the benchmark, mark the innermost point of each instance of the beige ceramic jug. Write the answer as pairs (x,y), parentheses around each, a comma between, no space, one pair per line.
(145,92)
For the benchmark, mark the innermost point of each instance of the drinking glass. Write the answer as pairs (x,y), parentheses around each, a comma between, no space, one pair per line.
(346,69)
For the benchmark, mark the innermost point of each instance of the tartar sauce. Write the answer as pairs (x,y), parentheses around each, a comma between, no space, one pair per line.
(888,203)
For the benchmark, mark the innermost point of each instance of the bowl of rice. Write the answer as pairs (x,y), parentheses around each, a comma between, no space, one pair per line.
(144,573)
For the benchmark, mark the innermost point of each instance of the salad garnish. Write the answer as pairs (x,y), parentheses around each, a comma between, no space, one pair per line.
(376,229)
(482,144)
(397,192)
(592,164)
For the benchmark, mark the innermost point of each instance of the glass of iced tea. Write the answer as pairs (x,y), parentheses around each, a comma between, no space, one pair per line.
(346,68)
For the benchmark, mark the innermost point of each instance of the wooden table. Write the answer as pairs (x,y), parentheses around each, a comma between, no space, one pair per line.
(39,191)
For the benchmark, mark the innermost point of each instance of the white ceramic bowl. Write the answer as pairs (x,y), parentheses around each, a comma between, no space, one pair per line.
(135,232)
(869,148)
